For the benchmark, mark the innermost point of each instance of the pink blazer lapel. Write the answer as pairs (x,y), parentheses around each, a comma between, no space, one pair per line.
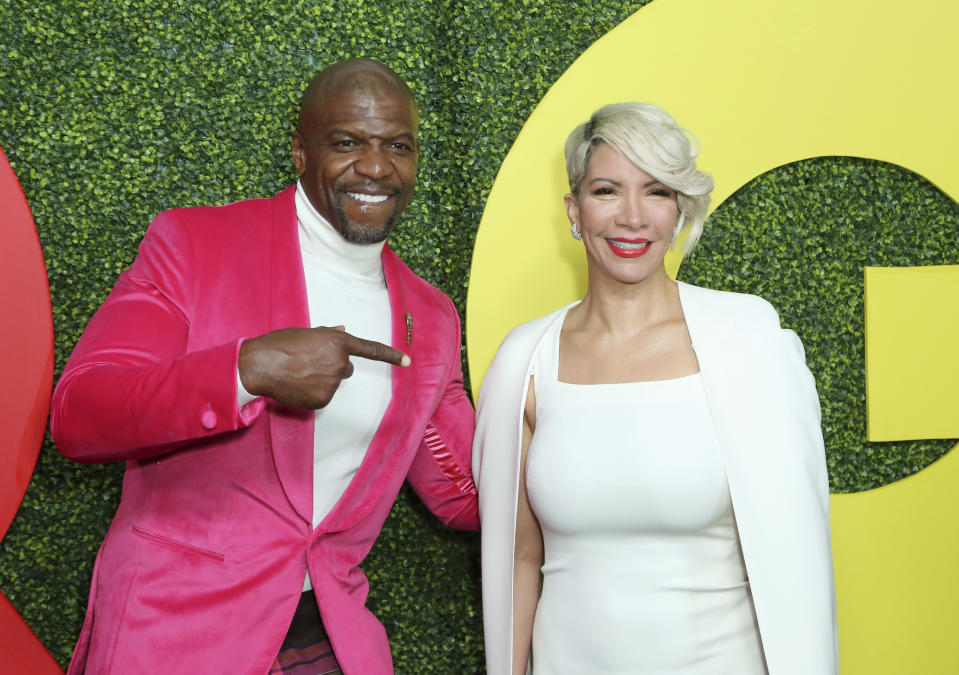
(391,441)
(291,429)
(404,379)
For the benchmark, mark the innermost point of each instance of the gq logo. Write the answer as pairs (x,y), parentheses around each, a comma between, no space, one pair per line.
(764,84)
(26,376)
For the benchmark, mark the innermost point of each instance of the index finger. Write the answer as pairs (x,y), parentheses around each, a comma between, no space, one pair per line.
(376,351)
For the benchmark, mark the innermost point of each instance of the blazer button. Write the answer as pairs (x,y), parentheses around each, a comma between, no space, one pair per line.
(208,420)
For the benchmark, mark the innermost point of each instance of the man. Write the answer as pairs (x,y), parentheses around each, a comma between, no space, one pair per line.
(261,459)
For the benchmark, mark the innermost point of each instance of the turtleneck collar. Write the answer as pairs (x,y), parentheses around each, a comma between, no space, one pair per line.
(320,240)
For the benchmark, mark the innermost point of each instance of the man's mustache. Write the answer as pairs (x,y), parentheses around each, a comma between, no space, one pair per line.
(371,187)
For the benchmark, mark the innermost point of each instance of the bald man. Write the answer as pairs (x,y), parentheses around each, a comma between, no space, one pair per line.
(270,372)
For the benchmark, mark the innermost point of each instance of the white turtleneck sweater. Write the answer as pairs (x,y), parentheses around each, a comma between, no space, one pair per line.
(344,286)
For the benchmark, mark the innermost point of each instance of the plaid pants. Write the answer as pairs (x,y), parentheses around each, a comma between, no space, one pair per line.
(306,649)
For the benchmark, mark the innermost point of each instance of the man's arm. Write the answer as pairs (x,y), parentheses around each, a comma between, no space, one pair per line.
(441,473)
(133,390)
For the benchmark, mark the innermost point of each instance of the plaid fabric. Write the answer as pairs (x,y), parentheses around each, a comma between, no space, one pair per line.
(306,649)
(315,660)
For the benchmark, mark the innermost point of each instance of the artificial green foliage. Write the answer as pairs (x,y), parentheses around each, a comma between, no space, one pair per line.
(800,236)
(113,110)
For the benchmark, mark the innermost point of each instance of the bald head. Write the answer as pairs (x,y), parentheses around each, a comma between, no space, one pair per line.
(359,76)
(356,149)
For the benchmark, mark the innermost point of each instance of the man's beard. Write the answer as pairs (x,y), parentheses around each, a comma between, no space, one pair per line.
(361,234)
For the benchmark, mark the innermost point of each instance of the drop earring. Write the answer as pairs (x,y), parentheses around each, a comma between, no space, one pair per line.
(574,230)
(679,226)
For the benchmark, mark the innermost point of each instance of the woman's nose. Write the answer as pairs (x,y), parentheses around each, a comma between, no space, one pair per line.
(634,214)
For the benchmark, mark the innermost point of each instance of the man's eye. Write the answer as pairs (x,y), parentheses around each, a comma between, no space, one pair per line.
(346,143)
(402,147)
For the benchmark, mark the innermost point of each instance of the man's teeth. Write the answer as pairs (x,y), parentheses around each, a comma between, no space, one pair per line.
(369,199)
(629,246)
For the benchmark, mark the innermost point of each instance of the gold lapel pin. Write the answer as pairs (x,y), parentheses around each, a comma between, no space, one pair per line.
(409,328)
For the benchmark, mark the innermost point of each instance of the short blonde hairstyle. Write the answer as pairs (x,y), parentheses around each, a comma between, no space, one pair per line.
(652,140)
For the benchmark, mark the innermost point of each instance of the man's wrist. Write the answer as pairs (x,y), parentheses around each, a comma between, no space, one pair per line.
(242,395)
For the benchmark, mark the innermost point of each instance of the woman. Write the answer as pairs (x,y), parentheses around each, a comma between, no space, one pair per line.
(652,479)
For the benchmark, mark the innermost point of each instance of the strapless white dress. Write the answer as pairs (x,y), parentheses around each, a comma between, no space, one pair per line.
(643,571)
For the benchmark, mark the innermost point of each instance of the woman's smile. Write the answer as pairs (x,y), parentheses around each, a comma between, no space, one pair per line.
(628,248)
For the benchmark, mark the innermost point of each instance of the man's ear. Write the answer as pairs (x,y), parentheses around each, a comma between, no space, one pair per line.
(298,150)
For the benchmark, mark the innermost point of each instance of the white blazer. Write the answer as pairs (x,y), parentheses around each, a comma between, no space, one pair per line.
(766,414)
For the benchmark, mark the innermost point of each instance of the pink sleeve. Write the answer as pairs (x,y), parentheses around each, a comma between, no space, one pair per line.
(441,473)
(131,389)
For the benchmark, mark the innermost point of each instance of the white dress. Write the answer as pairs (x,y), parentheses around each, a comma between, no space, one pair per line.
(643,571)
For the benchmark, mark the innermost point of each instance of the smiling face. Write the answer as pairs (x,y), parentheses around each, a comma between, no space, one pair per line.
(626,218)
(356,151)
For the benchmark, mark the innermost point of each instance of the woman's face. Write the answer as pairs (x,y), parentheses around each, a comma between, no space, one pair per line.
(626,218)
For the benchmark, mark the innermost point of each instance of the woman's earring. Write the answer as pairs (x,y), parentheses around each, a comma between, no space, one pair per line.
(679,226)
(574,230)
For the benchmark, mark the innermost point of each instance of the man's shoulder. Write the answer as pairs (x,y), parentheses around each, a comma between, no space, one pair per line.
(232,214)
(416,286)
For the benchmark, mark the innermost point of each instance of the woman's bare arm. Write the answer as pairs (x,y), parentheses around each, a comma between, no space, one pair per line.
(528,553)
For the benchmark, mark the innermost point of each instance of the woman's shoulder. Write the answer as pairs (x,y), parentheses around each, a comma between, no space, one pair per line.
(524,337)
(517,348)
(739,321)
(729,307)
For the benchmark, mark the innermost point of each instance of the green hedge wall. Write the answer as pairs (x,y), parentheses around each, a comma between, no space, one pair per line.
(113,110)
(800,236)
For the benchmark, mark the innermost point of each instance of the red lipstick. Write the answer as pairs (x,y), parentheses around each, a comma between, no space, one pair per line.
(628,248)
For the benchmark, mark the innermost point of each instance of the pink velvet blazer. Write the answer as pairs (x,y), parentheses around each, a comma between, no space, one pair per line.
(204,562)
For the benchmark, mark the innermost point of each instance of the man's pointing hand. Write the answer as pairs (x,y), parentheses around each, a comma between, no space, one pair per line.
(303,367)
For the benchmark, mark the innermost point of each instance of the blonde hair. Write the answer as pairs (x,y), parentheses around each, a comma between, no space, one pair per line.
(652,140)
